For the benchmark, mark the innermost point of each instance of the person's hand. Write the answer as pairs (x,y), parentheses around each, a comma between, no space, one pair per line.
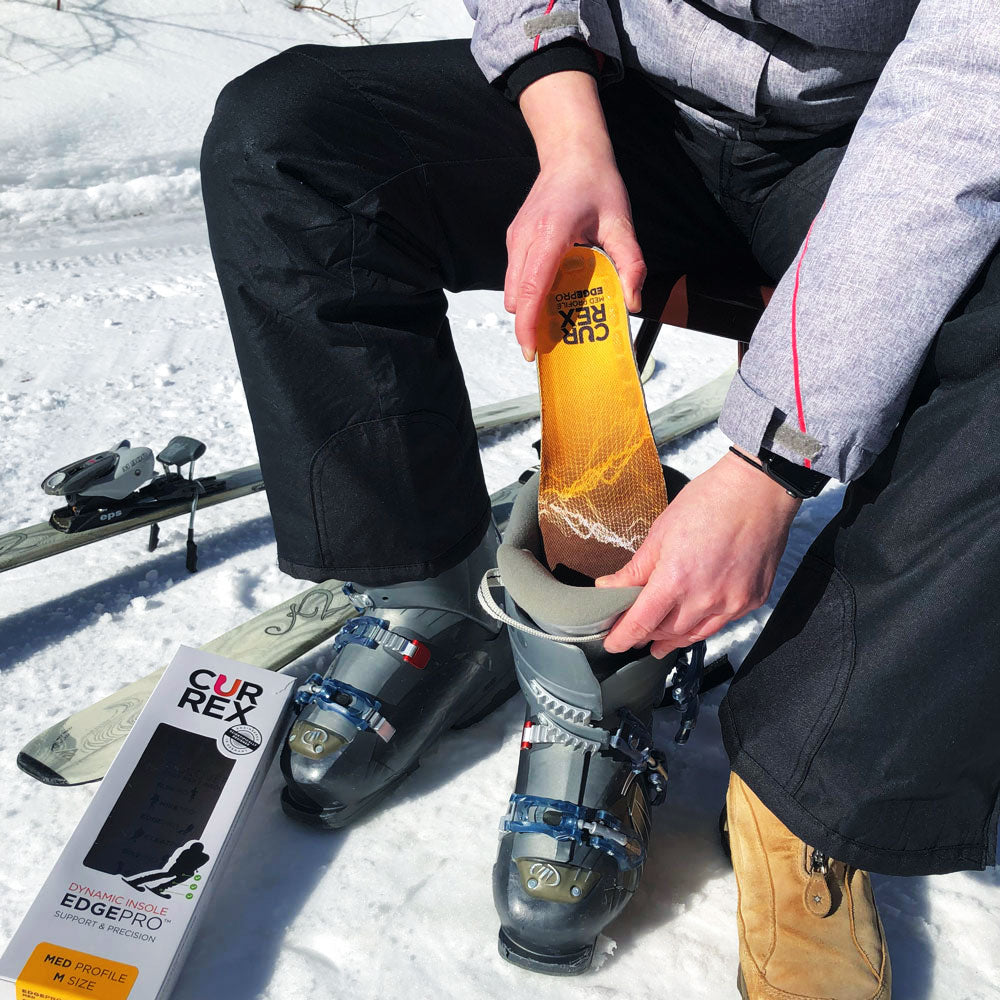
(709,557)
(578,197)
(579,200)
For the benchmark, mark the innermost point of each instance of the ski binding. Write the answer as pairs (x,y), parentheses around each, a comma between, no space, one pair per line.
(114,486)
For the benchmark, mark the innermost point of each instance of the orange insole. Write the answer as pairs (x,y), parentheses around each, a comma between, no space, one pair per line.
(601,484)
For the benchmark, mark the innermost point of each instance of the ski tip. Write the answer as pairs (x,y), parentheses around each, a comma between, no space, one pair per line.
(39,771)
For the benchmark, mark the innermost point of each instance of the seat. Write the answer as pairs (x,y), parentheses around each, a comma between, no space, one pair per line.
(724,306)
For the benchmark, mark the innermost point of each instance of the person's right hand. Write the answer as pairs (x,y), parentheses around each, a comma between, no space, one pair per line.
(578,197)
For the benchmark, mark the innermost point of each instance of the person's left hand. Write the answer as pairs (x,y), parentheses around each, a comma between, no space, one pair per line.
(709,557)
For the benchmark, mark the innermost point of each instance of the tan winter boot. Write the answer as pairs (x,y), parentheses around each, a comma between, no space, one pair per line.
(808,926)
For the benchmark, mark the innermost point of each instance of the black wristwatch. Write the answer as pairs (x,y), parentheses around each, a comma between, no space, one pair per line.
(796,480)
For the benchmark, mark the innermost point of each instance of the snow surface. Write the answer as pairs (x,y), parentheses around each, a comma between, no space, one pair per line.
(113,327)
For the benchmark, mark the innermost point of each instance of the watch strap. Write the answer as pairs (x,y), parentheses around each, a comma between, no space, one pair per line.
(796,480)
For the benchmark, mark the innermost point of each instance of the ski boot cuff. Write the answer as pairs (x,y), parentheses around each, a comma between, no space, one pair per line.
(557,608)
(453,590)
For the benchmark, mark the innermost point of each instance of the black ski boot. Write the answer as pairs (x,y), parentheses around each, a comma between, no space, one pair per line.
(574,839)
(420,658)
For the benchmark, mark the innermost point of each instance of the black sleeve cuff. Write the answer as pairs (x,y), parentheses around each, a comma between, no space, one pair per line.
(566,54)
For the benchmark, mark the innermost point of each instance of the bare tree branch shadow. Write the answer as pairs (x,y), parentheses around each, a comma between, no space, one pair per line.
(87,29)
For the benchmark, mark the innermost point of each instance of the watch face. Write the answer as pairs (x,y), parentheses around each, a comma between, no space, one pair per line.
(797,479)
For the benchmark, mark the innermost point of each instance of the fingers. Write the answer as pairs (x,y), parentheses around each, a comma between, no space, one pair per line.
(515,264)
(664,616)
(510,280)
(666,642)
(511,283)
(533,260)
(634,627)
(541,261)
(622,248)
(635,572)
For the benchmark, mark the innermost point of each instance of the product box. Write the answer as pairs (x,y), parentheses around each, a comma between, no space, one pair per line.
(118,912)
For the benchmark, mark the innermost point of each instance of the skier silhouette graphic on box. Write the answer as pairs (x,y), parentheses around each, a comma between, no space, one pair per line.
(185,864)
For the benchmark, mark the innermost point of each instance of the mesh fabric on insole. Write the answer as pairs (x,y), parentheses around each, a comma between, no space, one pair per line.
(601,483)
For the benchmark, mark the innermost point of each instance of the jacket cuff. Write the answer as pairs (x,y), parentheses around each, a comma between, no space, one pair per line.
(753,422)
(745,416)
(565,54)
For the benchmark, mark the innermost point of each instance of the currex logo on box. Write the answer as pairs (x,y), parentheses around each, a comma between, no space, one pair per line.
(215,695)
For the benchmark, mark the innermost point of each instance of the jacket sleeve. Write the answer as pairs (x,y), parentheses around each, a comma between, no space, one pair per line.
(911,216)
(509,32)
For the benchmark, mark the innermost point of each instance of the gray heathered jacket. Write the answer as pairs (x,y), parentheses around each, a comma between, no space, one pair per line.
(912,214)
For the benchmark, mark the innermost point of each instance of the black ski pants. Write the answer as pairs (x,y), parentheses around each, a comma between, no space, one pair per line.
(345,188)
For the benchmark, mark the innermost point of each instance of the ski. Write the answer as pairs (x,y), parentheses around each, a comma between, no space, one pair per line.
(80,748)
(39,541)
(169,496)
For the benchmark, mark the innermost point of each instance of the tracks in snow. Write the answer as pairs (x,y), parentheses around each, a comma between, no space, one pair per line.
(99,259)
(173,261)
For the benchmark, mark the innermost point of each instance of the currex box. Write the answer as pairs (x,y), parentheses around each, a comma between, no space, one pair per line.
(116,915)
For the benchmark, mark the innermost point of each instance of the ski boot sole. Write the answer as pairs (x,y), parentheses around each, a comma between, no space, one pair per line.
(570,964)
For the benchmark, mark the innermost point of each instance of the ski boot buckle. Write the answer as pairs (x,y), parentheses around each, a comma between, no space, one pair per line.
(373,632)
(568,821)
(634,742)
(360,709)
(685,688)
(360,601)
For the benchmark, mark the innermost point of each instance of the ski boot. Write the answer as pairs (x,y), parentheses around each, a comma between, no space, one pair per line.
(574,839)
(422,657)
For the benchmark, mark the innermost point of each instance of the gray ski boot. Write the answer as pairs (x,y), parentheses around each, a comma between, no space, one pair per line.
(420,658)
(574,839)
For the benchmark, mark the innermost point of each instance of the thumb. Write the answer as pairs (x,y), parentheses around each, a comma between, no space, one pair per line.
(634,573)
(623,249)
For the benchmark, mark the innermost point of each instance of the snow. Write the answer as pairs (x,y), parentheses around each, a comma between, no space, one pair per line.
(113,327)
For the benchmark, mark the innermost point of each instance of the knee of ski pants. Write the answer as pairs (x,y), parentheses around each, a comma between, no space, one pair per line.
(251,115)
(272,109)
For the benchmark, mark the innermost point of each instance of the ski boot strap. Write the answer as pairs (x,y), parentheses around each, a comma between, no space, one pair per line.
(374,632)
(567,821)
(360,709)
